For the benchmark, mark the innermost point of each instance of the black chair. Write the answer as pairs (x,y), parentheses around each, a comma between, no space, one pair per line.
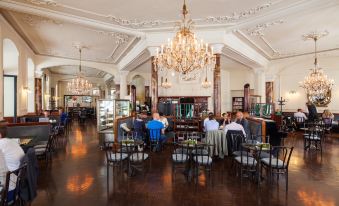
(180,136)
(314,137)
(202,159)
(327,125)
(155,139)
(277,163)
(45,151)
(136,157)
(16,178)
(234,142)
(114,157)
(299,122)
(180,157)
(246,163)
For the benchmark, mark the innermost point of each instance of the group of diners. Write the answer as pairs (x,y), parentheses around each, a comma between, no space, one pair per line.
(228,122)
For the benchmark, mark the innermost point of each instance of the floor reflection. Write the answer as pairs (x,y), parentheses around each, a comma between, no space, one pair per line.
(79,183)
(315,199)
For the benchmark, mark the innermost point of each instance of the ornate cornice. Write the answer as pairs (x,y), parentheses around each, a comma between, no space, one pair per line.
(259,29)
(139,24)
(36,21)
(43,2)
(238,16)
(315,34)
(120,38)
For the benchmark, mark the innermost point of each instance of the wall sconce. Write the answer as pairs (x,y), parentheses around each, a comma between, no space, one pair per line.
(27,90)
(292,92)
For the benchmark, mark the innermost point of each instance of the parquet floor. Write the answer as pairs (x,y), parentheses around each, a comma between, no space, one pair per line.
(77,177)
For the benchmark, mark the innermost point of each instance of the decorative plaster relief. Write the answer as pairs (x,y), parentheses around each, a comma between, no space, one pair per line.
(43,2)
(259,29)
(134,23)
(315,34)
(238,16)
(36,21)
(120,38)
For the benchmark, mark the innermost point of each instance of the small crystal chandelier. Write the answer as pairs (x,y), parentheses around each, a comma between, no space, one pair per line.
(185,54)
(317,85)
(79,85)
(206,84)
(166,84)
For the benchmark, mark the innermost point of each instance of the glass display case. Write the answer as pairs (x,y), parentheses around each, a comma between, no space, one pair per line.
(105,115)
(108,110)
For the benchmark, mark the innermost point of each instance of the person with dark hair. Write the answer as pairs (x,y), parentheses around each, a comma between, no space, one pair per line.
(207,118)
(226,120)
(312,111)
(211,124)
(244,122)
(300,114)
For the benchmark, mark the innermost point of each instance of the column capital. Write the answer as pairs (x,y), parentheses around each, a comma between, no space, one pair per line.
(217,48)
(123,73)
(152,50)
(259,70)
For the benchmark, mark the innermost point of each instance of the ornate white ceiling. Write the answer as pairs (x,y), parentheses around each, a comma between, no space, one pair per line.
(117,32)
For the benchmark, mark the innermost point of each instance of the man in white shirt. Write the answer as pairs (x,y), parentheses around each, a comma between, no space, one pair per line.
(11,154)
(234,126)
(300,114)
(211,124)
(207,119)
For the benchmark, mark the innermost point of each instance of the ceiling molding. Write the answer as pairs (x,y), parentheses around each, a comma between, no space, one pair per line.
(139,24)
(120,38)
(36,21)
(306,53)
(66,17)
(259,29)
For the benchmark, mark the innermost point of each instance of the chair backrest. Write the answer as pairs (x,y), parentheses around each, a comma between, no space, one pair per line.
(282,153)
(327,123)
(113,151)
(194,135)
(154,134)
(201,155)
(180,150)
(235,141)
(136,155)
(247,159)
(299,119)
(20,175)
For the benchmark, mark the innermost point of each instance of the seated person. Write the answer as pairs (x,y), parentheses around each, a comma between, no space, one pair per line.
(164,120)
(10,156)
(207,119)
(327,114)
(155,124)
(300,114)
(63,115)
(244,122)
(234,126)
(211,124)
(226,120)
(139,127)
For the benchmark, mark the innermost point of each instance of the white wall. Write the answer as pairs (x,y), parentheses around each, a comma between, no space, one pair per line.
(293,70)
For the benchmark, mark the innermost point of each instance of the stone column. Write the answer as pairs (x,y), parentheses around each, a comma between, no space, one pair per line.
(134,97)
(21,83)
(154,86)
(217,48)
(123,84)
(269,92)
(1,78)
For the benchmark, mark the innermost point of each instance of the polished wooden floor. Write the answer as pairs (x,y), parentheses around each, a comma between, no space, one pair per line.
(77,177)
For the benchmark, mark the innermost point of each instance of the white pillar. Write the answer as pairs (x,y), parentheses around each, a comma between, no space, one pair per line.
(260,84)
(1,77)
(21,84)
(123,84)
(226,99)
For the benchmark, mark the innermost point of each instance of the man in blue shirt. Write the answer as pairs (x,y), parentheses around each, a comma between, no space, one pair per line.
(156,131)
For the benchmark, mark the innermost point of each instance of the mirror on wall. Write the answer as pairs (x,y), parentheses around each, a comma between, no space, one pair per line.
(320,102)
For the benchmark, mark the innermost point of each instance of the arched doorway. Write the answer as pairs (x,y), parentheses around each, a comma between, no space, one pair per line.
(11,68)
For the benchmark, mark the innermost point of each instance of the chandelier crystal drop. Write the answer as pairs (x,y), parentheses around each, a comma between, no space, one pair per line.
(79,85)
(185,53)
(317,85)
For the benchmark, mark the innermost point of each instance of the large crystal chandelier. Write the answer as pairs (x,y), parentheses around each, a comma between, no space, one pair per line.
(317,85)
(79,85)
(185,54)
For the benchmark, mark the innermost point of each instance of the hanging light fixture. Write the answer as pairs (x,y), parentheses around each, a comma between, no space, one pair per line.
(166,84)
(206,84)
(317,85)
(185,54)
(79,85)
